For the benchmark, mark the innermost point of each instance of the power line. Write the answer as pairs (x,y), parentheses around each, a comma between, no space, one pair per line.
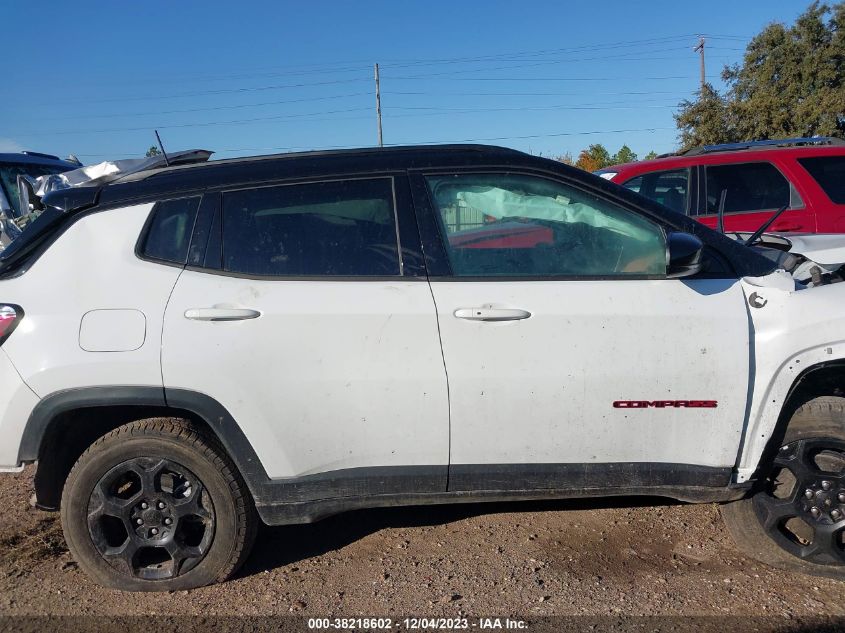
(439,142)
(208,109)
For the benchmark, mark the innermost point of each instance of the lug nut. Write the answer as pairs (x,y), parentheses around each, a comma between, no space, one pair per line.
(154,531)
(815,512)
(168,521)
(835,514)
(825,485)
(139,521)
(144,505)
(842,497)
(808,493)
(161,505)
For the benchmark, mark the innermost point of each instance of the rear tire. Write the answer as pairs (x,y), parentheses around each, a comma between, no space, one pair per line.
(795,520)
(156,506)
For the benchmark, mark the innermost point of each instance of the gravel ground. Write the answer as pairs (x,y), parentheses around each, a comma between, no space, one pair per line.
(530,559)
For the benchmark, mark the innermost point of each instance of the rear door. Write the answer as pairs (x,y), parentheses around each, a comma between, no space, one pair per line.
(572,360)
(753,192)
(308,317)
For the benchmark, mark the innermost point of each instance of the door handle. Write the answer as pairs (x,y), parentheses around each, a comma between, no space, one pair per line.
(221,314)
(785,226)
(491,314)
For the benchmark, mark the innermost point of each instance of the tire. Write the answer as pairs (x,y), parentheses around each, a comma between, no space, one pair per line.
(156,506)
(764,525)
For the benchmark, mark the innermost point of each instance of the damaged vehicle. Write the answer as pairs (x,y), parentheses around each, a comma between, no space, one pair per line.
(281,338)
(14,214)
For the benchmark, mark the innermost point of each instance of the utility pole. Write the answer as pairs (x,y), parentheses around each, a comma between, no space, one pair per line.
(378,109)
(700,49)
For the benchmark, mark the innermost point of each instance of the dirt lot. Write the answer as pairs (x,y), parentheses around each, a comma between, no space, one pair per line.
(530,560)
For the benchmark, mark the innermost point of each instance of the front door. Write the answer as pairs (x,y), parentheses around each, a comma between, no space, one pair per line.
(572,360)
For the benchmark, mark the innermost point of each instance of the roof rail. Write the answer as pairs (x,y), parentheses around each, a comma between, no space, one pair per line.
(783,142)
(40,155)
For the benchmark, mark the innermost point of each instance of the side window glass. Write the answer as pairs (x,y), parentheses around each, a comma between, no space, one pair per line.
(749,186)
(169,231)
(669,188)
(497,225)
(328,228)
(829,172)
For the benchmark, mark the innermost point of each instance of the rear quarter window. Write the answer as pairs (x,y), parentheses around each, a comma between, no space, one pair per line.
(829,172)
(169,230)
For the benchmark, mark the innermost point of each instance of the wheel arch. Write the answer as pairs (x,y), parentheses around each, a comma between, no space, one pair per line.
(826,378)
(64,424)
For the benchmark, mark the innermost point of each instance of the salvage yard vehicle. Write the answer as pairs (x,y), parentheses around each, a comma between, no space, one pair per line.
(190,349)
(807,175)
(13,215)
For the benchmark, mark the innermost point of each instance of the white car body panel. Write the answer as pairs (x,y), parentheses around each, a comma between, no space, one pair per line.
(541,390)
(793,331)
(16,403)
(92,266)
(332,375)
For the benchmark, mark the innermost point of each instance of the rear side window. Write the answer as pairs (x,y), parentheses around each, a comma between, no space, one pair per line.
(669,188)
(169,230)
(749,186)
(829,172)
(339,228)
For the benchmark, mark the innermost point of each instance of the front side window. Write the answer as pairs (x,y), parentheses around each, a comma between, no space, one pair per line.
(669,188)
(829,172)
(748,187)
(339,228)
(499,225)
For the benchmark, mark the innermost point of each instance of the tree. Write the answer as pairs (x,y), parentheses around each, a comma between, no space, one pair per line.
(651,155)
(153,151)
(791,83)
(566,158)
(624,155)
(705,121)
(594,157)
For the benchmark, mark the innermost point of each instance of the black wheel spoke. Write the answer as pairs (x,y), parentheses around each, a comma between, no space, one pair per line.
(826,547)
(798,459)
(773,511)
(192,505)
(123,556)
(150,477)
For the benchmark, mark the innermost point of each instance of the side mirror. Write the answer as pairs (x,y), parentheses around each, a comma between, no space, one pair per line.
(684,254)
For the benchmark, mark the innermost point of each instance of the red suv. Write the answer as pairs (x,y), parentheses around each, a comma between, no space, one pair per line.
(759,177)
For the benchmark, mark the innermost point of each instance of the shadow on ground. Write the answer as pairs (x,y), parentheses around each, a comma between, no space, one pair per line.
(282,545)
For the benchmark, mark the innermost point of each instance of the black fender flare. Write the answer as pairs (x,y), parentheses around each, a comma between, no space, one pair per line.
(204,407)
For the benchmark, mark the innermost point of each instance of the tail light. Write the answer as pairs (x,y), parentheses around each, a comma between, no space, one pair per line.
(10,316)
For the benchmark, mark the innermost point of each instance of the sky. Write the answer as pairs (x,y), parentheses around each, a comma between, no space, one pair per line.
(244,78)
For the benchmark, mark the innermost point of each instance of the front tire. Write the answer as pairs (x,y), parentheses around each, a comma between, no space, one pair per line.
(795,520)
(155,506)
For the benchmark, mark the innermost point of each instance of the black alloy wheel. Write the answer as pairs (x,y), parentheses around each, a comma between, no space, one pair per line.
(151,519)
(802,505)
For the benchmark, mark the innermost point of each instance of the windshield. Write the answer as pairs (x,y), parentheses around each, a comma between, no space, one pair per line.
(9,180)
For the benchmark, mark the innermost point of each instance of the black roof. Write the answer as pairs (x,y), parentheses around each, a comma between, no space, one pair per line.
(186,178)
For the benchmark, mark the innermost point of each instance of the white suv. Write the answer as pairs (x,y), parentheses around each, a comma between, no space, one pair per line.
(191,348)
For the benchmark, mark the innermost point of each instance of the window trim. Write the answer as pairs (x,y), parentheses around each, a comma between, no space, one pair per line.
(689,205)
(141,242)
(408,271)
(436,255)
(703,202)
